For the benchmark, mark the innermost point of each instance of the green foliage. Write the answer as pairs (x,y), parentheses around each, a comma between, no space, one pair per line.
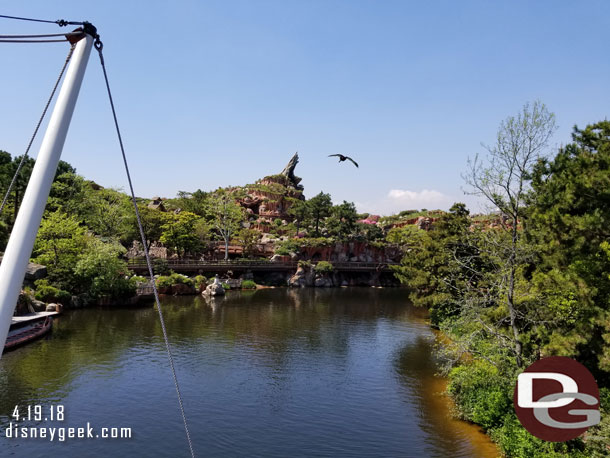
(299,210)
(535,285)
(323,267)
(342,220)
(60,242)
(179,233)
(48,293)
(166,281)
(569,219)
(437,263)
(226,215)
(403,236)
(101,273)
(160,266)
(153,224)
(482,393)
(248,239)
(248,284)
(370,232)
(319,208)
(192,202)
(200,281)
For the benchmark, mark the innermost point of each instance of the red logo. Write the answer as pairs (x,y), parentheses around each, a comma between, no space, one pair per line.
(556,399)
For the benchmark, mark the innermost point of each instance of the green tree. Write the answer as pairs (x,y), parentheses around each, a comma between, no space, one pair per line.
(100,271)
(370,232)
(60,241)
(226,214)
(319,208)
(342,220)
(153,222)
(194,202)
(437,265)
(503,180)
(179,233)
(299,210)
(248,238)
(570,213)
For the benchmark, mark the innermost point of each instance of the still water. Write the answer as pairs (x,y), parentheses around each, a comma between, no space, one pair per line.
(270,373)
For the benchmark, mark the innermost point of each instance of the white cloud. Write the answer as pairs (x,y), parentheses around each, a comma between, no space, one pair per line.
(397,200)
(425,197)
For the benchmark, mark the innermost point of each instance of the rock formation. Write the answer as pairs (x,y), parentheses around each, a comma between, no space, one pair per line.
(271,197)
(215,288)
(288,172)
(304,276)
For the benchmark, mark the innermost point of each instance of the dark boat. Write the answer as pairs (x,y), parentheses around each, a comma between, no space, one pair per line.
(24,334)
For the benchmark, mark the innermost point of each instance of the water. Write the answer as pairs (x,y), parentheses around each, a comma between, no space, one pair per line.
(271,373)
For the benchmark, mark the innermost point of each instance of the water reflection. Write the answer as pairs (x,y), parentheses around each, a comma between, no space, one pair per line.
(272,372)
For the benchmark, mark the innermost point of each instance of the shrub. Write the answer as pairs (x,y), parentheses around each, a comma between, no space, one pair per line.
(200,281)
(304,264)
(165,281)
(160,266)
(248,284)
(481,393)
(323,267)
(226,286)
(49,293)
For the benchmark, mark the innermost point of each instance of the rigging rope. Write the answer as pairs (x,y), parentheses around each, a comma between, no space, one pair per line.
(59,22)
(39,38)
(42,116)
(99,46)
(88,28)
(31,41)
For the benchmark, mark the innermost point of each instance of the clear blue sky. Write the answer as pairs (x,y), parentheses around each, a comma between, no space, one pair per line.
(223,92)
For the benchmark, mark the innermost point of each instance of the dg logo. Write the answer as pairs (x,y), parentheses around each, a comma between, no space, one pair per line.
(557,399)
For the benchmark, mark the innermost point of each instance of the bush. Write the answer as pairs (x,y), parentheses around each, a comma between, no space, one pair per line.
(226,286)
(304,264)
(323,267)
(165,281)
(481,393)
(248,284)
(160,266)
(49,293)
(200,281)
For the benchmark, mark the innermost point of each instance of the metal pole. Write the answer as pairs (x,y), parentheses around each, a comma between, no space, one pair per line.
(23,235)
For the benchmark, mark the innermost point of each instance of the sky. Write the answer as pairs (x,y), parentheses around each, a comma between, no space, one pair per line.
(219,93)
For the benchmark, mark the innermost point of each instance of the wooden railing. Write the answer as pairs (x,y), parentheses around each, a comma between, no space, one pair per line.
(139,264)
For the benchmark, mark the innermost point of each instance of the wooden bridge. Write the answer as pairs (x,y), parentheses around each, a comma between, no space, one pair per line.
(190,265)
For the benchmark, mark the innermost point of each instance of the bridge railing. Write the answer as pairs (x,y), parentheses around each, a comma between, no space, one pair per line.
(255,264)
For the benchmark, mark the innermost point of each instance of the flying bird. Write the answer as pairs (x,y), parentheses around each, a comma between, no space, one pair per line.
(343,158)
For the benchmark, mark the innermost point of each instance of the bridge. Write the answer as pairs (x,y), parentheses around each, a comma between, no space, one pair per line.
(138,265)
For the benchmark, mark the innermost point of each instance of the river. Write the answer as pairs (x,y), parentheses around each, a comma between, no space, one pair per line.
(345,372)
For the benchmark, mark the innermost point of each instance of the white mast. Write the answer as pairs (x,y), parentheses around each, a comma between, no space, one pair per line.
(23,235)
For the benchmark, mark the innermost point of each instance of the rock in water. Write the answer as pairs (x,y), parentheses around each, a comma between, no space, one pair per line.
(304,276)
(215,288)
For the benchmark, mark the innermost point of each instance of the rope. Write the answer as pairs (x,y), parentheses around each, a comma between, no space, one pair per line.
(59,22)
(42,116)
(38,38)
(46,35)
(32,41)
(98,46)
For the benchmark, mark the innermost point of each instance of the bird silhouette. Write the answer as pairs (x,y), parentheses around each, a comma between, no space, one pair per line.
(343,158)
